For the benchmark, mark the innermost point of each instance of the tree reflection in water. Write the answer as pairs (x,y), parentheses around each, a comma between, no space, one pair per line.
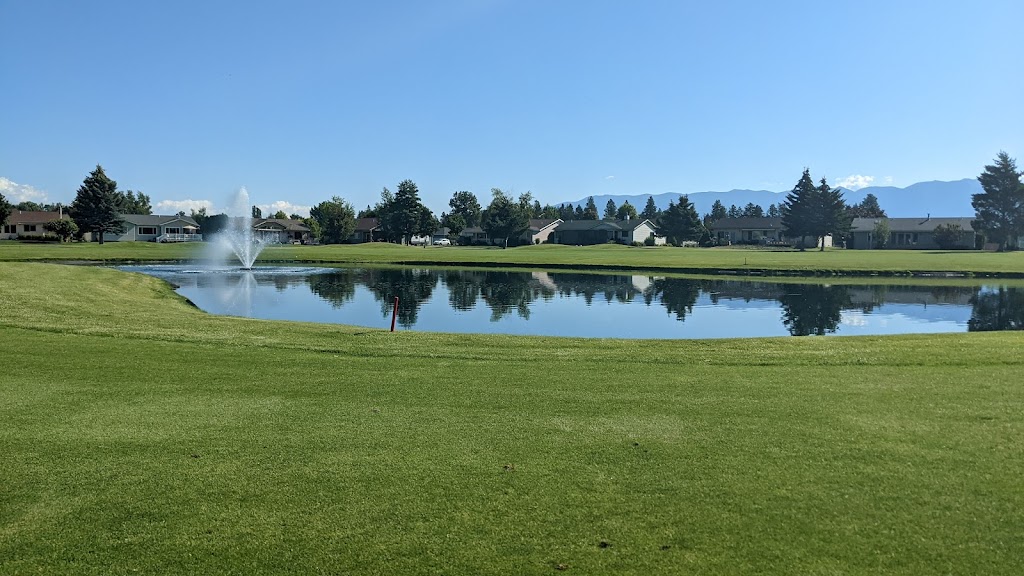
(336,288)
(678,295)
(997,309)
(814,308)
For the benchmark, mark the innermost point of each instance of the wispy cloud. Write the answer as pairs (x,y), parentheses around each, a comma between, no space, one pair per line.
(284,206)
(609,177)
(855,182)
(186,206)
(887,180)
(15,192)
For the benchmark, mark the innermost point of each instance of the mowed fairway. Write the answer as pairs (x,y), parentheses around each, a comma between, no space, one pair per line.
(142,436)
(607,256)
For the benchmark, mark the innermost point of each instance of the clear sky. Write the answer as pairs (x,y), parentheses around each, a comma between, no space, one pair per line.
(303,100)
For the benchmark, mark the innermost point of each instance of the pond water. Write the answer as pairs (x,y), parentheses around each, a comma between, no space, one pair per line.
(591,305)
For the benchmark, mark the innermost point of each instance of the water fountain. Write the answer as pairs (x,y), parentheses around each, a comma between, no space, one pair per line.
(237,237)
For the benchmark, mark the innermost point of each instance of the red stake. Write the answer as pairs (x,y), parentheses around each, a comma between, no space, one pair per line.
(394,314)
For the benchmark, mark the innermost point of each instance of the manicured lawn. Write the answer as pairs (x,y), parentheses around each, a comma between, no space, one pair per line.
(141,435)
(605,256)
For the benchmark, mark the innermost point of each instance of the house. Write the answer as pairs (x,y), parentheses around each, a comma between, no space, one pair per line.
(588,232)
(538,232)
(753,230)
(367,230)
(908,233)
(438,234)
(156,228)
(280,230)
(28,224)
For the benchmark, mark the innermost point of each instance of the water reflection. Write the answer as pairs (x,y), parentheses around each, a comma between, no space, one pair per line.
(602,305)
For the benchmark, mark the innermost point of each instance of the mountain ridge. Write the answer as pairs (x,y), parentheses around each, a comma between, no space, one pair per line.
(935,197)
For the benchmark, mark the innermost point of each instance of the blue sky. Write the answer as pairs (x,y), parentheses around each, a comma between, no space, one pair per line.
(301,101)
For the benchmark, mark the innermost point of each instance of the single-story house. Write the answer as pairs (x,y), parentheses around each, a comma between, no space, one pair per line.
(539,231)
(280,230)
(438,234)
(764,230)
(156,228)
(367,230)
(908,233)
(28,224)
(587,232)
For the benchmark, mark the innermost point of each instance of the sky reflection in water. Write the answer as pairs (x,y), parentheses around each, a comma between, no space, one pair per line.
(590,305)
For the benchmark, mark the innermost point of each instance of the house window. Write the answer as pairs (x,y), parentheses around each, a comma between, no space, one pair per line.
(172,230)
(10,229)
(30,227)
(146,230)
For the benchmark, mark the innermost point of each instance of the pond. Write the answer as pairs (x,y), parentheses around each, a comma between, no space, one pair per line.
(591,305)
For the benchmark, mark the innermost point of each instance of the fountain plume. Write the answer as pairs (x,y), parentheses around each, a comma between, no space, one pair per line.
(237,237)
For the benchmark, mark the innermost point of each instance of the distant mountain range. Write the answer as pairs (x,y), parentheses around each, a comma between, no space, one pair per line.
(940,199)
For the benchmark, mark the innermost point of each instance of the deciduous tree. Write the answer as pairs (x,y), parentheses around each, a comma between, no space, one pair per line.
(65,230)
(5,209)
(335,219)
(504,218)
(626,211)
(131,202)
(465,204)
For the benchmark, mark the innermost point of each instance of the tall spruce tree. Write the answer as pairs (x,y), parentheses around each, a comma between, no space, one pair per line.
(833,217)
(610,209)
(651,211)
(406,214)
(1000,208)
(799,210)
(95,207)
(590,212)
(718,211)
(773,211)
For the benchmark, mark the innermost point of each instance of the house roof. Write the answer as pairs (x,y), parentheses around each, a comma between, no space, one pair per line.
(584,225)
(921,224)
(367,224)
(538,224)
(282,223)
(34,217)
(155,219)
(747,223)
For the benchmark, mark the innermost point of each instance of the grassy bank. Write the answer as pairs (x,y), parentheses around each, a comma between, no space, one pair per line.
(740,260)
(143,436)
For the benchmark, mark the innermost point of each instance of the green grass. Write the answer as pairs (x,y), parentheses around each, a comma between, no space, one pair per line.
(141,435)
(606,256)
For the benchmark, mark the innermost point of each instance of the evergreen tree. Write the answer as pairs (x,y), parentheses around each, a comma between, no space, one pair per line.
(550,212)
(406,215)
(626,211)
(610,210)
(680,222)
(590,212)
(95,206)
(773,211)
(799,210)
(651,211)
(336,220)
(718,211)
(1000,208)
(579,214)
(833,217)
(867,208)
(465,204)
(752,210)
(566,212)
(734,212)
(257,212)
(504,218)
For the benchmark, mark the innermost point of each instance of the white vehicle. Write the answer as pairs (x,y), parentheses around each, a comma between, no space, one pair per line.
(442,242)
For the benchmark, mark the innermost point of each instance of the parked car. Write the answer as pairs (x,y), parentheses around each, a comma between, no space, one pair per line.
(442,242)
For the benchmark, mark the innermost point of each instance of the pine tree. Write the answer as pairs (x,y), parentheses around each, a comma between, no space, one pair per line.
(406,215)
(590,212)
(752,210)
(833,217)
(773,211)
(651,211)
(626,212)
(1000,208)
(95,206)
(610,210)
(799,210)
(718,211)
(734,212)
(680,222)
